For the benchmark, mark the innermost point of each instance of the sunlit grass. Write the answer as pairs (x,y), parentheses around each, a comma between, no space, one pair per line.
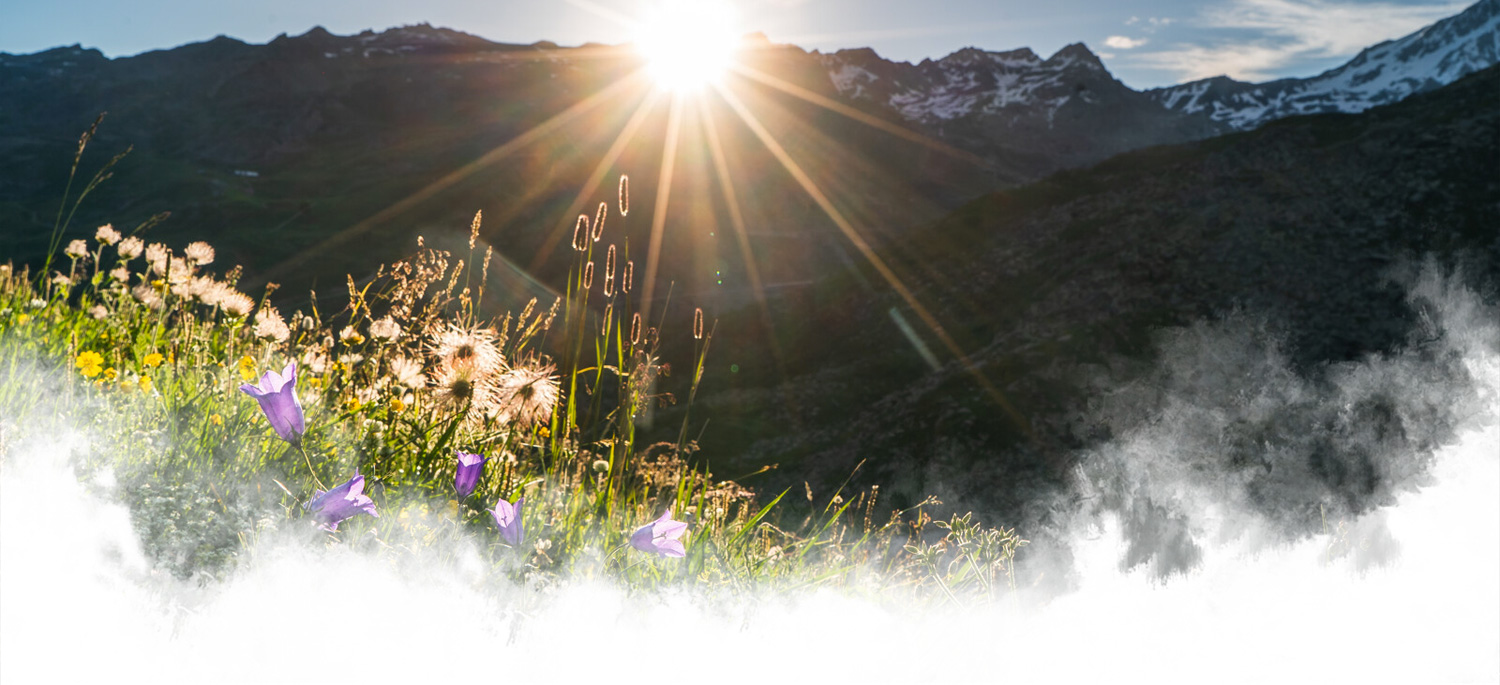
(143,349)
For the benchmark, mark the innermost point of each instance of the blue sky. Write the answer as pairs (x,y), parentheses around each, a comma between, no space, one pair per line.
(1145,43)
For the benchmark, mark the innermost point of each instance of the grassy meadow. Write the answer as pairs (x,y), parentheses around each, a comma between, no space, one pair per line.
(143,348)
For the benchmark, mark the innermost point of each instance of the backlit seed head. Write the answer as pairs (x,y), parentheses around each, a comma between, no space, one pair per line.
(698,323)
(635,329)
(599,215)
(581,233)
(588,275)
(624,195)
(629,274)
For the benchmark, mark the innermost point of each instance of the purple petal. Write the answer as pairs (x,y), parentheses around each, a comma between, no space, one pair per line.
(671,548)
(670,530)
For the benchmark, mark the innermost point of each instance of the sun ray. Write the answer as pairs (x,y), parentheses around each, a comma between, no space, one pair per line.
(509,147)
(863,118)
(853,235)
(659,213)
(627,134)
(742,237)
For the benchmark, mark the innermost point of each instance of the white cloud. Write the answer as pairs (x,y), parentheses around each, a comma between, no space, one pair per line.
(1124,42)
(1291,31)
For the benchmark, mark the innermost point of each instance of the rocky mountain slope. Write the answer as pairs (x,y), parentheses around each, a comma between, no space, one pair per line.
(1302,223)
(1381,74)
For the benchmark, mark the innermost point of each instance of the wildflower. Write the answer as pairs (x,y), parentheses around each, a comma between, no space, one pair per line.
(107,234)
(199,253)
(89,364)
(472,348)
(529,393)
(661,537)
(61,279)
(110,374)
(461,388)
(155,359)
(130,248)
(408,372)
(246,365)
(277,395)
(98,311)
(269,325)
(385,329)
(216,419)
(77,249)
(508,520)
(21,319)
(350,336)
(120,274)
(148,296)
(145,384)
(343,502)
(470,468)
(236,303)
(157,255)
(397,405)
(315,359)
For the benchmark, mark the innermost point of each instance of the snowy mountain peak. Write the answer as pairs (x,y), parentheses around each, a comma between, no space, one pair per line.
(1432,57)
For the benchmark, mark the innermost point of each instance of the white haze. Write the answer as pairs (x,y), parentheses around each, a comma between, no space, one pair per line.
(79,601)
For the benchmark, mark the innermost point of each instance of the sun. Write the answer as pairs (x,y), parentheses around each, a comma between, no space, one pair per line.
(688,43)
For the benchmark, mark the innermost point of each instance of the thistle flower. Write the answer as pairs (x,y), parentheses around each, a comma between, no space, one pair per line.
(508,520)
(470,468)
(199,253)
(107,234)
(529,393)
(269,325)
(130,248)
(341,503)
(385,329)
(277,395)
(661,537)
(464,389)
(236,303)
(408,372)
(473,348)
(77,249)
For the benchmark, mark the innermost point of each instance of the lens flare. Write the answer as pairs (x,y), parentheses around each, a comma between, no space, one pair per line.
(688,44)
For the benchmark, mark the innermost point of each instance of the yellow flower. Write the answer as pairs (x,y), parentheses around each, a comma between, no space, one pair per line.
(397,405)
(90,364)
(21,319)
(110,374)
(247,367)
(544,432)
(216,420)
(315,382)
(154,359)
(145,384)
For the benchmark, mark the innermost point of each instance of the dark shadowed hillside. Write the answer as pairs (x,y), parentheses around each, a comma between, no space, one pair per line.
(1302,223)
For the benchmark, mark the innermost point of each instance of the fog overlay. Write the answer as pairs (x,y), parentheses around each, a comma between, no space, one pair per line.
(1245,523)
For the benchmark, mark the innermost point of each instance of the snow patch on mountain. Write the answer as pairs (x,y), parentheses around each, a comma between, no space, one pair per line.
(1388,72)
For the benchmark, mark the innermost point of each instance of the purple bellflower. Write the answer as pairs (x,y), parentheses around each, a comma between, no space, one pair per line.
(661,537)
(508,520)
(342,502)
(470,467)
(277,395)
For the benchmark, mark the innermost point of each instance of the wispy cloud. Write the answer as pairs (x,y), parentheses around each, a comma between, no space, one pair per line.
(1289,32)
(1124,42)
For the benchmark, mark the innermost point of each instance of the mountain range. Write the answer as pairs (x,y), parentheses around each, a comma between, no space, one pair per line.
(1051,217)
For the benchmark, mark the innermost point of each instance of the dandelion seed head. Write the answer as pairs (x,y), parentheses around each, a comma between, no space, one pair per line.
(408,372)
(473,348)
(77,249)
(98,311)
(120,274)
(385,329)
(529,393)
(270,326)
